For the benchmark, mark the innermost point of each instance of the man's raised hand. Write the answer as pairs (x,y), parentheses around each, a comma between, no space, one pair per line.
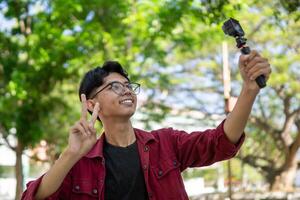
(82,136)
(251,66)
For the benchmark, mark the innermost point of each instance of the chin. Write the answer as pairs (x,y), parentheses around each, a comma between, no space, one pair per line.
(130,114)
(127,112)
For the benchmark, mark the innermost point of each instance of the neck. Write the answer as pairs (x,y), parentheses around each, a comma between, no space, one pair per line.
(119,133)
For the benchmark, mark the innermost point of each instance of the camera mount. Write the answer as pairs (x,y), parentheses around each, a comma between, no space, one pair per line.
(233,28)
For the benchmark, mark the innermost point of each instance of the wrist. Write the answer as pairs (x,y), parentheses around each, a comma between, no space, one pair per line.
(70,155)
(250,90)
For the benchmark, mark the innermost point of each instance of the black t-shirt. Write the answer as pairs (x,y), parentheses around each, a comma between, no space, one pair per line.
(124,176)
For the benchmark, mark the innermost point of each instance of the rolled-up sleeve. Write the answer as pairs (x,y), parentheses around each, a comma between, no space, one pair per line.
(203,148)
(62,193)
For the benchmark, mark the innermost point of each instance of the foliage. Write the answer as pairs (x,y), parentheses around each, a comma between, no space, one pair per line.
(168,46)
(53,43)
(272,133)
(57,41)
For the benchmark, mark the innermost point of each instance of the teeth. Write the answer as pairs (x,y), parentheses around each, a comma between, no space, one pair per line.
(127,101)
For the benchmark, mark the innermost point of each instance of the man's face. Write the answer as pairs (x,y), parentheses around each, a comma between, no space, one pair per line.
(113,105)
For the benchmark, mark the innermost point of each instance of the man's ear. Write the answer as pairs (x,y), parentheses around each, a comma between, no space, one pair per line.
(90,105)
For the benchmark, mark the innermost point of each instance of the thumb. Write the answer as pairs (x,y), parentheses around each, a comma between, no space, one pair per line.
(243,60)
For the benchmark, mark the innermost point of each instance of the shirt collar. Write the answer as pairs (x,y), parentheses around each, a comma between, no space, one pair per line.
(143,136)
(97,150)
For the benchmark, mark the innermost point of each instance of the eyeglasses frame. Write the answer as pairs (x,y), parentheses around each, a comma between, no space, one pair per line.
(110,84)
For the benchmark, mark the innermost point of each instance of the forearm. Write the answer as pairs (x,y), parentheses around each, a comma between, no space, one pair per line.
(236,121)
(53,179)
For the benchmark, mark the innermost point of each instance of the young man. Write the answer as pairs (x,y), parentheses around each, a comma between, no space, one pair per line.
(126,163)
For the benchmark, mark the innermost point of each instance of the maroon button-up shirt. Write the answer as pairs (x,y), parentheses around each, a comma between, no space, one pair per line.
(164,154)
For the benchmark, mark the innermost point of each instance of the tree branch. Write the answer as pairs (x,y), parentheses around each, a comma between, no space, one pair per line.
(279,90)
(274,133)
(261,108)
(4,136)
(296,144)
(254,162)
(288,123)
(250,35)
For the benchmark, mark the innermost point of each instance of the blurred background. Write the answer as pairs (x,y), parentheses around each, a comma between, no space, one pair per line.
(178,52)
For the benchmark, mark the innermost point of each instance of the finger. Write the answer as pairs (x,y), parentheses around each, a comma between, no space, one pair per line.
(268,74)
(243,60)
(85,127)
(262,71)
(80,128)
(252,55)
(92,129)
(254,61)
(74,130)
(83,107)
(95,114)
(256,67)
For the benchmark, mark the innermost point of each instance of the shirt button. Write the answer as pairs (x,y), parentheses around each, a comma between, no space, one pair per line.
(103,161)
(150,194)
(95,191)
(175,162)
(145,167)
(146,148)
(77,187)
(160,172)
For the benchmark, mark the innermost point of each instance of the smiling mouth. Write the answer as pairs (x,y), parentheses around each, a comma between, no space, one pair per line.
(127,102)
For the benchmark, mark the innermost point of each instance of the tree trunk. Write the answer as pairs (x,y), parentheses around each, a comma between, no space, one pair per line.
(19,171)
(284,180)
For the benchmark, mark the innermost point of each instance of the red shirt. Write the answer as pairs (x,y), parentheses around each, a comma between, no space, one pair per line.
(164,154)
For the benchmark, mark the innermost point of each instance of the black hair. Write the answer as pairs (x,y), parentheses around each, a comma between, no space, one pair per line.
(94,78)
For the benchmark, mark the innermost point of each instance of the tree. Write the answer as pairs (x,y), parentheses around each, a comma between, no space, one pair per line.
(276,124)
(30,73)
(273,131)
(52,43)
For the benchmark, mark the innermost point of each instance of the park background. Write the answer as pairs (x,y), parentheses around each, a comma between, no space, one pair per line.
(177,50)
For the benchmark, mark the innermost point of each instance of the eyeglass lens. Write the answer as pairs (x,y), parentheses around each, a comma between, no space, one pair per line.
(119,88)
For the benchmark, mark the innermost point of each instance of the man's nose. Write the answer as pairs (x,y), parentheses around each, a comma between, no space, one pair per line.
(127,91)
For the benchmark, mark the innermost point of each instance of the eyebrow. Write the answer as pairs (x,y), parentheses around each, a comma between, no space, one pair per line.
(106,84)
(118,81)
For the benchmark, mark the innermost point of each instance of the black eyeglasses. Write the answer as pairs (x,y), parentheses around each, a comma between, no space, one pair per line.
(119,88)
